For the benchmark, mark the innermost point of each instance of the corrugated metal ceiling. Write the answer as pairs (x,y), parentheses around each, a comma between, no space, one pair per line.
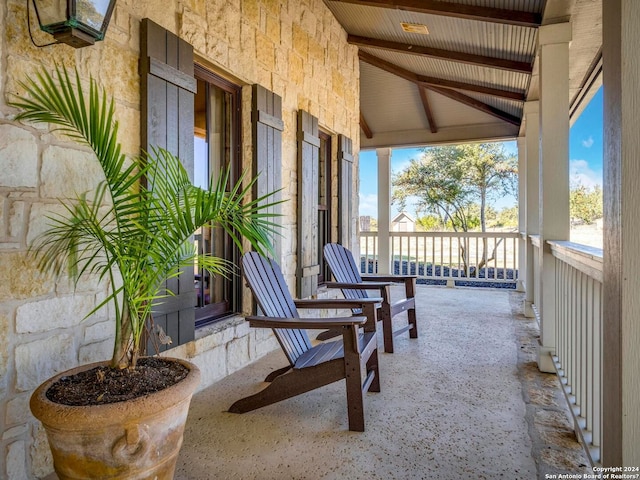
(455,50)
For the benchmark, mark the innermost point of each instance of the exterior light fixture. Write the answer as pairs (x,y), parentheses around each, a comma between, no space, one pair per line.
(414,28)
(78,23)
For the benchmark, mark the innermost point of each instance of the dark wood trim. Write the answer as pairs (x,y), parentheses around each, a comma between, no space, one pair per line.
(308,268)
(267,126)
(388,67)
(207,75)
(327,157)
(477,104)
(365,127)
(217,311)
(427,109)
(481,60)
(212,313)
(269,120)
(167,89)
(494,92)
(345,188)
(159,69)
(438,82)
(309,138)
(457,10)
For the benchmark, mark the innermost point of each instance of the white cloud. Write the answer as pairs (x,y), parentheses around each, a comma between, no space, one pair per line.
(369,204)
(582,174)
(397,168)
(588,142)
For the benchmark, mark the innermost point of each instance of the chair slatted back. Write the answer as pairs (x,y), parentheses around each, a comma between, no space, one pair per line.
(267,284)
(344,269)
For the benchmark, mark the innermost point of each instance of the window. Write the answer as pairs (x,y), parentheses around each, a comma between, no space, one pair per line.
(216,148)
(324,204)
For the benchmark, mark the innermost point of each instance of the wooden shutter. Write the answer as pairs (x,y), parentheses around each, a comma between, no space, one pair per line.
(308,164)
(267,127)
(345,196)
(167,120)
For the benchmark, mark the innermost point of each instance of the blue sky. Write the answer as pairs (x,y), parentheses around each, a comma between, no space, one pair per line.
(585,154)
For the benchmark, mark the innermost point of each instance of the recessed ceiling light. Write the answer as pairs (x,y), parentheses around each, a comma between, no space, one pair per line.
(414,28)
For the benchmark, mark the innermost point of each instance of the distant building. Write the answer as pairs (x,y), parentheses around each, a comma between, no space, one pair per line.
(403,222)
(365,223)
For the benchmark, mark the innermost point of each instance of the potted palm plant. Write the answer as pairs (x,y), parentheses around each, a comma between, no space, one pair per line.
(134,231)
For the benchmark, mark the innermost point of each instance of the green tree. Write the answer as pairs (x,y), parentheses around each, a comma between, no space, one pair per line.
(448,181)
(429,223)
(585,203)
(507,217)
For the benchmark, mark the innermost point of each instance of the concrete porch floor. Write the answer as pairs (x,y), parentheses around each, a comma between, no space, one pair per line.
(463,401)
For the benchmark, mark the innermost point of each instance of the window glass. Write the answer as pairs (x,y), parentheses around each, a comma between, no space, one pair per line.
(215,147)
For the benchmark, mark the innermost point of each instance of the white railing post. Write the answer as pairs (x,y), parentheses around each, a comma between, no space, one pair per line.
(554,172)
(534,241)
(522,214)
(532,205)
(384,209)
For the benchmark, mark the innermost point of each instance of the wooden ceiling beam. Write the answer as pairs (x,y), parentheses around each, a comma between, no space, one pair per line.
(427,109)
(388,66)
(365,127)
(481,60)
(477,104)
(438,82)
(457,10)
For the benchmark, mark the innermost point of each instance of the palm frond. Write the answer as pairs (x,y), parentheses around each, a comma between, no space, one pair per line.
(138,225)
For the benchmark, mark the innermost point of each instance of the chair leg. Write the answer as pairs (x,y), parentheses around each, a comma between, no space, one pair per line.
(410,291)
(353,379)
(372,365)
(289,385)
(413,333)
(384,315)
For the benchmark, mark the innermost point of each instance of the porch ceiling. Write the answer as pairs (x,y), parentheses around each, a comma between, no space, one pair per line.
(468,78)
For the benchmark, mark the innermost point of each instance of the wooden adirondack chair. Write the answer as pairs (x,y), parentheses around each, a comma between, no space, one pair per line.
(355,286)
(310,366)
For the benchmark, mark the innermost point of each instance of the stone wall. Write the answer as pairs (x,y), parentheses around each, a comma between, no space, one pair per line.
(295,48)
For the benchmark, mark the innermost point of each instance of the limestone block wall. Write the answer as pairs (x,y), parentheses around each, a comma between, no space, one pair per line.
(295,48)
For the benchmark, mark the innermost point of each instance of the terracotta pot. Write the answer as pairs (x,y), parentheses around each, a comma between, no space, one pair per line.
(137,439)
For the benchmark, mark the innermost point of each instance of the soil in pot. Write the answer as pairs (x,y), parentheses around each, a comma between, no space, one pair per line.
(102,385)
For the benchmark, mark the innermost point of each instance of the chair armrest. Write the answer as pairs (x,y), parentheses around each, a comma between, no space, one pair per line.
(408,280)
(358,286)
(388,278)
(336,302)
(310,323)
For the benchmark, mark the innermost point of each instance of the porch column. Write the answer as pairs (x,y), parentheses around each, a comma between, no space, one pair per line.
(384,209)
(621,263)
(532,202)
(522,213)
(554,173)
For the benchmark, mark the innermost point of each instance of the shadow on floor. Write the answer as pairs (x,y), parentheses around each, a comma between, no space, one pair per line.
(463,401)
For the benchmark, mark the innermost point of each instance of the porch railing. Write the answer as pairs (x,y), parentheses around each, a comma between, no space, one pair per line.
(578,357)
(535,248)
(448,256)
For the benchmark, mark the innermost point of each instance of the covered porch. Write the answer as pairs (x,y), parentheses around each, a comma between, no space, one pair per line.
(579,296)
(464,400)
(469,398)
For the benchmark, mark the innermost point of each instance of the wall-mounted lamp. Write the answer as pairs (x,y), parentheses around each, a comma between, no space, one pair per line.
(78,23)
